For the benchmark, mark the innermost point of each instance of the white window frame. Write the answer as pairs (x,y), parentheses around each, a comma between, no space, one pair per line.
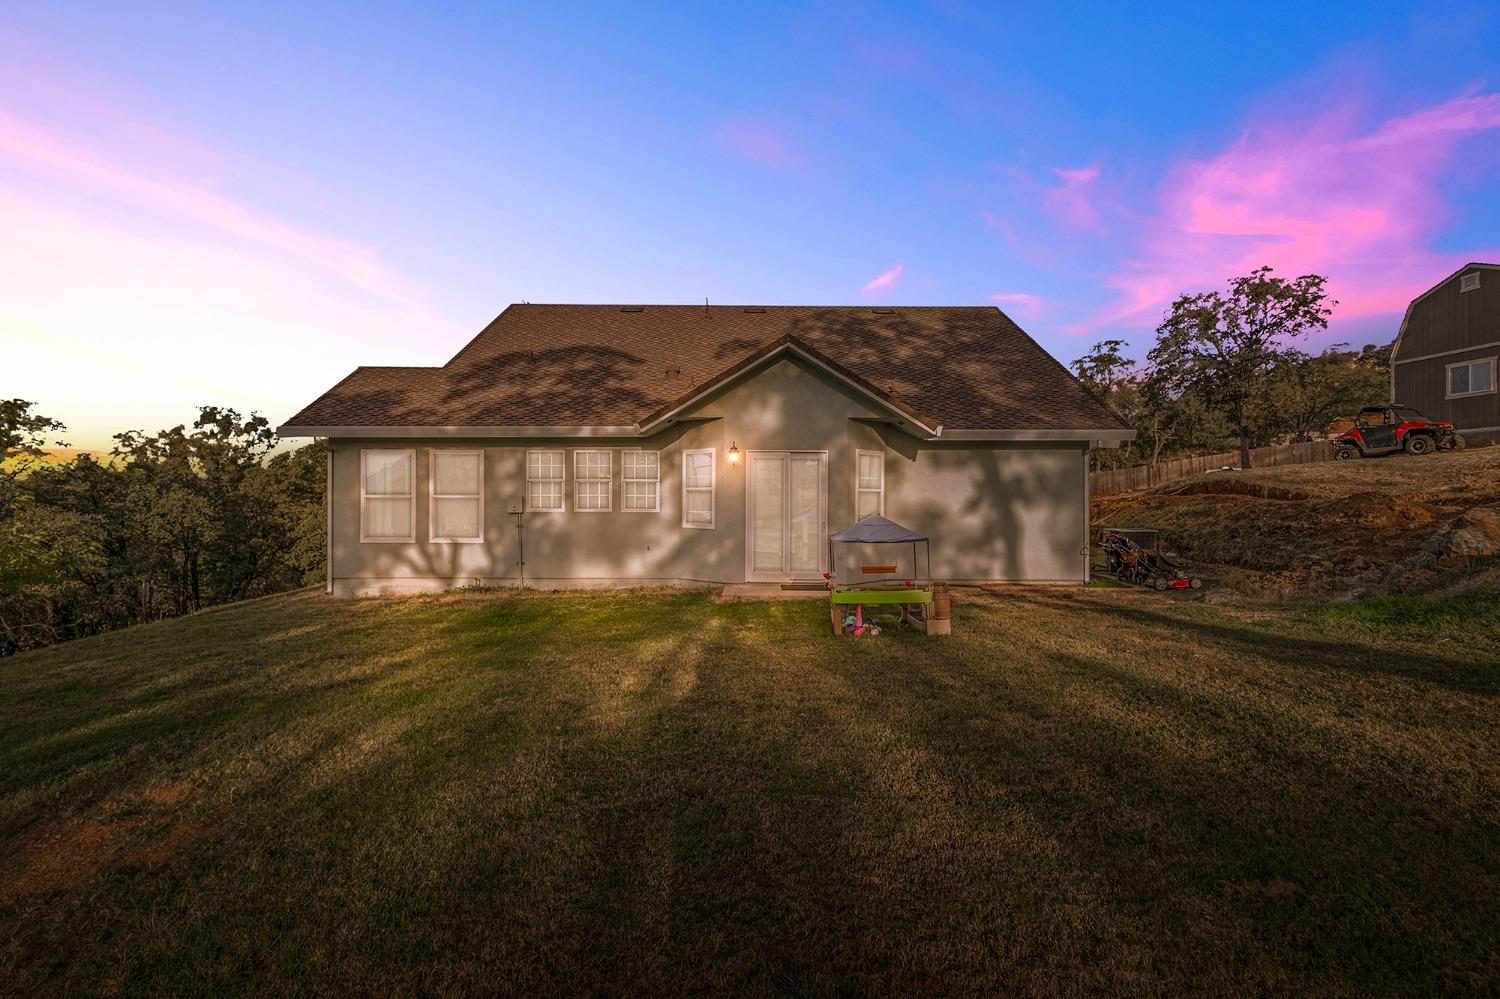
(1469,282)
(562,492)
(1448,377)
(411,497)
(608,479)
(433,496)
(712,488)
(880,503)
(655,483)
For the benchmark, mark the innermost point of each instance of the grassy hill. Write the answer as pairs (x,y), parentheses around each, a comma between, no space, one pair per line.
(1082,790)
(1326,529)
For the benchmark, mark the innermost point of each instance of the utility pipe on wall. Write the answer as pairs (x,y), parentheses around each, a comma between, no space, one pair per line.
(328,508)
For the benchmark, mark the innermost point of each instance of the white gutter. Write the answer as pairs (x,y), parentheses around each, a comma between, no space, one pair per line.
(289,430)
(328,504)
(937,433)
(1447,353)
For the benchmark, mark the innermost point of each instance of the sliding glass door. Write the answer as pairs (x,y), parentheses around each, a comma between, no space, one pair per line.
(786,515)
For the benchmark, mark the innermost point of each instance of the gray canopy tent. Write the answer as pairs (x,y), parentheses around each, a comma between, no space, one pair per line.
(876,530)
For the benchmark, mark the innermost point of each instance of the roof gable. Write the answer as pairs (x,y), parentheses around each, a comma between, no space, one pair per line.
(620,368)
(1411,307)
(786,347)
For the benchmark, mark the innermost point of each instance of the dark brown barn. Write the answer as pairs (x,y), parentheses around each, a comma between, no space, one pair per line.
(1444,360)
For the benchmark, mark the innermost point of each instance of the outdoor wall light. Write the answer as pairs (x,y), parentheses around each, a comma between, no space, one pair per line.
(734,454)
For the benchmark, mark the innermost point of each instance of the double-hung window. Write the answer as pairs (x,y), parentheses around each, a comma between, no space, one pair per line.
(455,511)
(640,481)
(387,501)
(1475,377)
(698,488)
(544,481)
(869,484)
(591,480)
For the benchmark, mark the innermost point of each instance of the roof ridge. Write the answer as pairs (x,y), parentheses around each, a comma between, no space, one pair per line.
(966,367)
(742,305)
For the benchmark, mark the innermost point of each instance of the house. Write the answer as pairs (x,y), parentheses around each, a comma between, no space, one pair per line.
(1444,361)
(589,445)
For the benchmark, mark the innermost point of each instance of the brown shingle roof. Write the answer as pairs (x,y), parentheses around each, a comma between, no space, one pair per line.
(967,368)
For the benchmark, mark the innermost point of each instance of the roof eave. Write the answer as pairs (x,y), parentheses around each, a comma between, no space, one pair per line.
(640,431)
(307,430)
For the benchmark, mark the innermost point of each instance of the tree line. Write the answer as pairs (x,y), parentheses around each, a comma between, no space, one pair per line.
(199,515)
(1224,373)
(170,523)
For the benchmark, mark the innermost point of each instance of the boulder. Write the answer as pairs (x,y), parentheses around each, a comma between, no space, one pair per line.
(1474,535)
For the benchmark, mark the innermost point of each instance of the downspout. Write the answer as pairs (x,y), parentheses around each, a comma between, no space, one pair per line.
(328,505)
(1088,513)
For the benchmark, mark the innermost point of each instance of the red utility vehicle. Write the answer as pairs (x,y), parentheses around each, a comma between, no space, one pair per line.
(1386,429)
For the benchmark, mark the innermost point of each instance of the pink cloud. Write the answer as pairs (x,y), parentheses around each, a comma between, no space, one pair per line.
(883,282)
(762,142)
(1360,207)
(137,260)
(130,174)
(1027,304)
(1072,204)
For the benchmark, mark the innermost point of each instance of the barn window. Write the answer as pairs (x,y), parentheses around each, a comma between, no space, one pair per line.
(1471,377)
(1469,282)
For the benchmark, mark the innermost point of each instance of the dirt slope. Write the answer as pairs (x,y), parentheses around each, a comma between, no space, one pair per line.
(1329,529)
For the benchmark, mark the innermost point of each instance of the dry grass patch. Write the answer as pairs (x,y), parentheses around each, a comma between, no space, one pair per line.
(1321,530)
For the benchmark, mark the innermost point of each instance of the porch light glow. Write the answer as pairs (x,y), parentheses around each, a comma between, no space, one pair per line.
(734,454)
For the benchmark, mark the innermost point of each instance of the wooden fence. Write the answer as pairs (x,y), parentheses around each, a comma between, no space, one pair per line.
(1123,480)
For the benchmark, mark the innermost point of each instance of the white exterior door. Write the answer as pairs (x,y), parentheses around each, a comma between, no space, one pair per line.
(786,517)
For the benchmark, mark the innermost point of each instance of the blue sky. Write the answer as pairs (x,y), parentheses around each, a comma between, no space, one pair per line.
(237,204)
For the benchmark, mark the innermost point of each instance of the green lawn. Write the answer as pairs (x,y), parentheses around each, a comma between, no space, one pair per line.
(1088,789)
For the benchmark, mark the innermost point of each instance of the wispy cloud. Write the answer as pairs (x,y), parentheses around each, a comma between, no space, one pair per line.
(170,270)
(882,283)
(759,140)
(1362,206)
(103,169)
(1025,303)
(1072,203)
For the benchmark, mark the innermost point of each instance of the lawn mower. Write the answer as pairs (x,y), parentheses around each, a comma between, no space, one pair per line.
(1135,556)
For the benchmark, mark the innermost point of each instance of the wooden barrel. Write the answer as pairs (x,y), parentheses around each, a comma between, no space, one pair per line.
(942,604)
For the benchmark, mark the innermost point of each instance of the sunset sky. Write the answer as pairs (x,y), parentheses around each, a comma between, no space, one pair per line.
(236,204)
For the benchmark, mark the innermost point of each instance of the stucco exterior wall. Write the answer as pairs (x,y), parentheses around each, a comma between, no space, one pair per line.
(995,511)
